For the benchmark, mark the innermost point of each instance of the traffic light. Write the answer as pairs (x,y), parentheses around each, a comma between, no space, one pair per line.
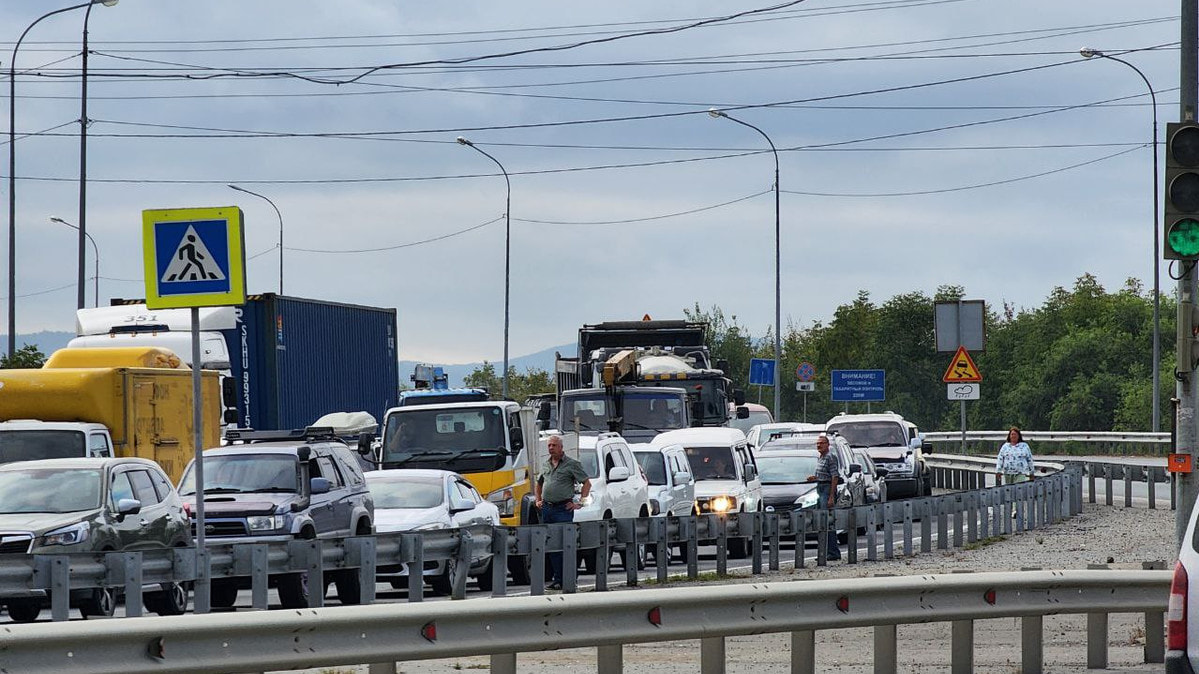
(1182,191)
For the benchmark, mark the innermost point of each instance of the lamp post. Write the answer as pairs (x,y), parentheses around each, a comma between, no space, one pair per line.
(778,291)
(280,215)
(1088,52)
(12,174)
(87,15)
(96,254)
(507,249)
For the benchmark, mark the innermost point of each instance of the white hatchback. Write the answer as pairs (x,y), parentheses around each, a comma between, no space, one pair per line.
(618,487)
(671,483)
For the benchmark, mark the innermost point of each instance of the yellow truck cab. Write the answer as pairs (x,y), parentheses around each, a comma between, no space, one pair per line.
(133,401)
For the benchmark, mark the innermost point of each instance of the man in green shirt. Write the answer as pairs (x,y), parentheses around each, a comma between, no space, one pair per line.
(555,492)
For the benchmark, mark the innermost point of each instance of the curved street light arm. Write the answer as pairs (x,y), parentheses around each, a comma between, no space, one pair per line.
(277,214)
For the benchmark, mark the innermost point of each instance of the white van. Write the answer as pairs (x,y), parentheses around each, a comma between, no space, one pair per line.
(726,476)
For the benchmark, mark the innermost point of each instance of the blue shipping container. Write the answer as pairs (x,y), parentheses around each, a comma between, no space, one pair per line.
(297,359)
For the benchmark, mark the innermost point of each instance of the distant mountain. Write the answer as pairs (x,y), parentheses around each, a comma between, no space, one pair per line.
(47,342)
(543,360)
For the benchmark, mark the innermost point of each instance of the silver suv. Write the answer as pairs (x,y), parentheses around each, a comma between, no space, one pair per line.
(279,486)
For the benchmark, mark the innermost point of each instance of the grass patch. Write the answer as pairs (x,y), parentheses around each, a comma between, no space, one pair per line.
(978,545)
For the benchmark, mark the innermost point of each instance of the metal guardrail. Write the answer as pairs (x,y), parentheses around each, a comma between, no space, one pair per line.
(958,518)
(1053,436)
(385,634)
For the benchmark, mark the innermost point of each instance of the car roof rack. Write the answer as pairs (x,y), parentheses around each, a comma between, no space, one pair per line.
(311,433)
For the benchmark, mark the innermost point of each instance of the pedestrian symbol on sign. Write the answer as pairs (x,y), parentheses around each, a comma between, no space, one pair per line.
(192,261)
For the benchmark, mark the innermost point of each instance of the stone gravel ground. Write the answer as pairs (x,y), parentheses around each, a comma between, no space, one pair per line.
(1121,538)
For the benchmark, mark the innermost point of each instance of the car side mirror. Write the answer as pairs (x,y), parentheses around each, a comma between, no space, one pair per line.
(742,412)
(682,478)
(365,443)
(739,398)
(881,472)
(543,411)
(855,468)
(319,485)
(517,439)
(461,506)
(128,506)
(618,473)
(750,472)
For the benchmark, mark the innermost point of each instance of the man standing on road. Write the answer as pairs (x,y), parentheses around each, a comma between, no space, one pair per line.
(555,493)
(828,472)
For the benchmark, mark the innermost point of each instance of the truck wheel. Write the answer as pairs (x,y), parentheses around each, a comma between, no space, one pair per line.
(222,594)
(170,600)
(349,588)
(293,590)
(100,602)
(24,610)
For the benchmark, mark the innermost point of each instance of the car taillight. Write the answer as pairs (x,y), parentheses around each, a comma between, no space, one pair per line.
(1176,611)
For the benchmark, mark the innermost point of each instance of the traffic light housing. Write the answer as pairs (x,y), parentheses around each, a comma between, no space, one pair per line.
(1181,226)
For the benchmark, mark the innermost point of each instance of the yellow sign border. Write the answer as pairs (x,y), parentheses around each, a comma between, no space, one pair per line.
(950,376)
(232,216)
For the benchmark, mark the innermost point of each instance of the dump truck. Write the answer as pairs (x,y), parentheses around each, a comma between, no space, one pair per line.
(132,401)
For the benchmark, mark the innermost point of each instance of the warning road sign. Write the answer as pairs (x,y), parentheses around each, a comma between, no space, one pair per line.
(962,369)
(193,257)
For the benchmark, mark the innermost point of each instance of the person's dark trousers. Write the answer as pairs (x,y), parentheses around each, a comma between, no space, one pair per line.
(822,492)
(553,514)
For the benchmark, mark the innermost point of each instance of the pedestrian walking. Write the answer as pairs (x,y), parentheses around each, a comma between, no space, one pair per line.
(555,493)
(828,473)
(1014,462)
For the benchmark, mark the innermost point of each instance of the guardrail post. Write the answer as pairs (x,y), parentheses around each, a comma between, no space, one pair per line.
(722,545)
(1032,644)
(131,562)
(942,523)
(610,659)
(971,505)
(907,528)
(803,652)
(872,532)
(1128,470)
(926,524)
(627,530)
(658,534)
(1018,492)
(692,546)
(885,649)
(260,577)
(1107,483)
(822,526)
(58,570)
(962,647)
(1151,485)
(537,560)
(460,570)
(889,530)
(503,663)
(602,554)
(1096,641)
(1155,631)
(569,535)
(995,496)
(1090,471)
(416,566)
(755,543)
(499,561)
(711,655)
(959,524)
(851,535)
(772,523)
(800,524)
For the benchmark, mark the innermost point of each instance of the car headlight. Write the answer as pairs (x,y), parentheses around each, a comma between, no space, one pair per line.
(585,501)
(68,535)
(723,504)
(265,522)
(504,500)
(808,500)
(430,526)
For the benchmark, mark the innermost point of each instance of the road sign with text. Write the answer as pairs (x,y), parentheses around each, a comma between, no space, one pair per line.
(862,386)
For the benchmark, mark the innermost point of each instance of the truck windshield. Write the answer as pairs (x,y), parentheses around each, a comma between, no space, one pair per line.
(49,490)
(643,410)
(710,393)
(41,444)
(465,440)
(244,473)
(871,433)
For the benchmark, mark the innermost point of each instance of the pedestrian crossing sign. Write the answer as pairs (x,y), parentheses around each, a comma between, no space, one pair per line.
(193,257)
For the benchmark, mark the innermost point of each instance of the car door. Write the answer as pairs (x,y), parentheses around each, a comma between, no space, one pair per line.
(130,529)
(753,485)
(682,491)
(324,507)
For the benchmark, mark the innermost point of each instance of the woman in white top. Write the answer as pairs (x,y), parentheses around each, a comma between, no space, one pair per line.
(1014,463)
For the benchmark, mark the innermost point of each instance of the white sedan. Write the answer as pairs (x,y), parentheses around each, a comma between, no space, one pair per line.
(424,500)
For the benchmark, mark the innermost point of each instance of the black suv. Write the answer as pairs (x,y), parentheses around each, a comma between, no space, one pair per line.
(279,486)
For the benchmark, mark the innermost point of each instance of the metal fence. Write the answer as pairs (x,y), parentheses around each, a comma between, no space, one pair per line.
(385,634)
(1097,442)
(883,529)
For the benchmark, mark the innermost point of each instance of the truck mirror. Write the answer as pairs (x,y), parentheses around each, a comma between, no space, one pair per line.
(722,364)
(739,398)
(543,411)
(229,392)
(231,416)
(365,441)
(516,439)
(742,412)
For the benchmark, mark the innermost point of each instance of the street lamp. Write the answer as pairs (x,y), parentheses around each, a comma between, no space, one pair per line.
(507,249)
(83,149)
(95,251)
(280,215)
(778,292)
(12,173)
(1087,53)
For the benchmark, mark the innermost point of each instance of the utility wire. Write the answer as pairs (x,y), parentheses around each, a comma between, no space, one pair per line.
(650,218)
(398,246)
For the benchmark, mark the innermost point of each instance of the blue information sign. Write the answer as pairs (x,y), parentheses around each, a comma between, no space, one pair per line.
(861,386)
(761,371)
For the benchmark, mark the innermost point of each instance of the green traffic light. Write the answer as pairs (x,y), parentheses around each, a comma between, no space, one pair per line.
(1183,238)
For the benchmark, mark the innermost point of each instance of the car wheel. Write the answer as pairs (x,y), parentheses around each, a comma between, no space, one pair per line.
(590,559)
(738,548)
(349,588)
(293,590)
(170,600)
(485,580)
(101,602)
(443,584)
(24,610)
(640,557)
(222,594)
(518,568)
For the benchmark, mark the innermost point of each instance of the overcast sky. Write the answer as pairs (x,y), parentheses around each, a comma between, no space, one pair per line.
(921,143)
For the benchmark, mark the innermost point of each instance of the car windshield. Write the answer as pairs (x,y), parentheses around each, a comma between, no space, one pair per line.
(871,433)
(642,410)
(406,492)
(786,469)
(40,444)
(654,465)
(240,473)
(711,463)
(49,490)
(590,460)
(465,440)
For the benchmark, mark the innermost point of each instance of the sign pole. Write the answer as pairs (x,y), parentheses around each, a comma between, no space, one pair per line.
(805,407)
(202,581)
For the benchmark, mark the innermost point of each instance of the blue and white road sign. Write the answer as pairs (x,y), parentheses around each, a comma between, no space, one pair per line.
(860,386)
(761,371)
(193,257)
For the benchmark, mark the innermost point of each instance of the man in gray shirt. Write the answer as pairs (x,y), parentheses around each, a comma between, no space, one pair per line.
(828,473)
(555,493)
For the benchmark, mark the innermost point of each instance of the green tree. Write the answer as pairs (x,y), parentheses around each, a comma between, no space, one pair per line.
(26,357)
(520,386)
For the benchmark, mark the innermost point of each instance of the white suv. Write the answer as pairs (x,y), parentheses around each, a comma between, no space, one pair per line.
(895,444)
(726,475)
(618,487)
(670,481)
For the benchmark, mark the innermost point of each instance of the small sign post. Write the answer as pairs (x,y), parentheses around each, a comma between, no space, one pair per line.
(805,381)
(962,377)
